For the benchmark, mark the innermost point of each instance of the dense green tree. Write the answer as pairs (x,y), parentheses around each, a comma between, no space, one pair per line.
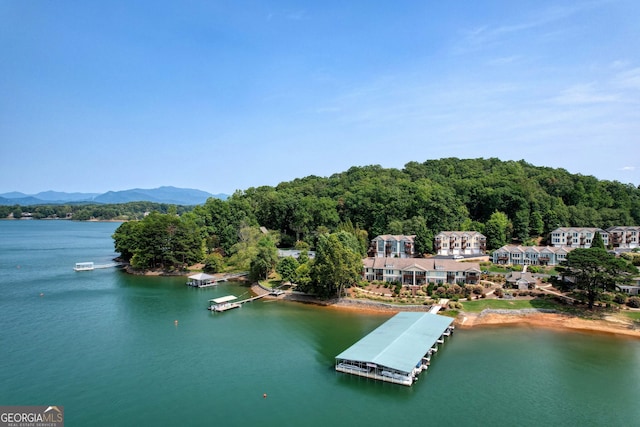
(265,259)
(304,248)
(536,224)
(594,271)
(597,242)
(303,276)
(246,249)
(213,263)
(498,230)
(286,268)
(335,267)
(126,239)
(159,241)
(423,242)
(5,211)
(521,225)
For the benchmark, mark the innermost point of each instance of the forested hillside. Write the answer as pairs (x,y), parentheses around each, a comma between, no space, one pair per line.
(446,194)
(507,201)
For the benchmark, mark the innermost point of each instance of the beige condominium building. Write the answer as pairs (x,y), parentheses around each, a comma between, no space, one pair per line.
(460,243)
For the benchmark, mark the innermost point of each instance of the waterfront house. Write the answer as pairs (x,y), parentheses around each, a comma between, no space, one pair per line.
(392,246)
(420,271)
(530,255)
(460,243)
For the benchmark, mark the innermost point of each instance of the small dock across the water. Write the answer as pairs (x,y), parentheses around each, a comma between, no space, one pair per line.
(204,280)
(229,302)
(90,266)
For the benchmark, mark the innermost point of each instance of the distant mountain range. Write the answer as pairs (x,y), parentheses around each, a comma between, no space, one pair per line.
(169,195)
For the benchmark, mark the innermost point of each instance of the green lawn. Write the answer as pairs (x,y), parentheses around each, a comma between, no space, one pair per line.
(271,283)
(635,315)
(477,306)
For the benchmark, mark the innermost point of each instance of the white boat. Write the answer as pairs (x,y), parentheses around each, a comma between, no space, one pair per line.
(351,367)
(83,266)
(397,376)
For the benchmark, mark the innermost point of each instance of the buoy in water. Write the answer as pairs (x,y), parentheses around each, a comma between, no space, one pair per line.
(175,322)
(264,395)
(41,294)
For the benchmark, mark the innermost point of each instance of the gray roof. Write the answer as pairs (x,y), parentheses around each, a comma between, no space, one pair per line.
(426,264)
(515,276)
(400,342)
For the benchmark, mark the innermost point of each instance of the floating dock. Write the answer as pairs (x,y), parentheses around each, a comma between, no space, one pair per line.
(398,350)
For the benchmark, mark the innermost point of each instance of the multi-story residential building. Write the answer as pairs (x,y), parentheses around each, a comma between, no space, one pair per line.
(420,271)
(460,243)
(624,237)
(530,255)
(392,246)
(577,237)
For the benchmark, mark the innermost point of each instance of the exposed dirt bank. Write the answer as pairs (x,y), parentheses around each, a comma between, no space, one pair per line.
(548,319)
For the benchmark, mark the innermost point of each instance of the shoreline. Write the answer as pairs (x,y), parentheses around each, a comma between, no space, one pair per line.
(527,318)
(610,325)
(492,318)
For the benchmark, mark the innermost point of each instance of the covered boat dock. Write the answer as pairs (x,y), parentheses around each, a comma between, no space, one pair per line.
(201,280)
(398,350)
(223,303)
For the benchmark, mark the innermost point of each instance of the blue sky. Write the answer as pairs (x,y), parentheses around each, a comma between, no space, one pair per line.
(226,95)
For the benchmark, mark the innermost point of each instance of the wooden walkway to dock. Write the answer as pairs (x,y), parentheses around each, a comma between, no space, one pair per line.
(236,304)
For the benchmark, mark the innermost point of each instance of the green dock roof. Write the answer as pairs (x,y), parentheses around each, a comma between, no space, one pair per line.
(400,342)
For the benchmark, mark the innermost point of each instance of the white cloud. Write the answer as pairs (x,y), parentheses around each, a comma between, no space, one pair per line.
(585,94)
(628,168)
(486,36)
(628,79)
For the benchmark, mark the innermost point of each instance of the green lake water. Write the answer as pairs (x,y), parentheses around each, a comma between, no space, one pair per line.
(104,345)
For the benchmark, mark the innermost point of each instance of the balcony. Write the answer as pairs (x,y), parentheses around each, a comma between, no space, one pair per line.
(472,278)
